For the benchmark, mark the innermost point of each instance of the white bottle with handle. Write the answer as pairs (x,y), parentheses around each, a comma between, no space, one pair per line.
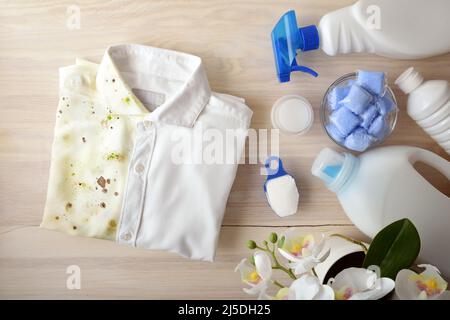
(428,104)
(382,186)
(400,29)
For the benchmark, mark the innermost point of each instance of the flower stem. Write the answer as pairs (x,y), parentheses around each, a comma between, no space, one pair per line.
(278,265)
(275,282)
(359,243)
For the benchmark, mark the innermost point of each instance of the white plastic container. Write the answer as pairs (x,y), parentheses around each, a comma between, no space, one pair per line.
(382,186)
(428,104)
(280,188)
(339,249)
(400,29)
(292,115)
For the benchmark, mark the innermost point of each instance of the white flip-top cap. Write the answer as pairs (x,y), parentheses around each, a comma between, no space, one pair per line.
(327,165)
(334,168)
(292,114)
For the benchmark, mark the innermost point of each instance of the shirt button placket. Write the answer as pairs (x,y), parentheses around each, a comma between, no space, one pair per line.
(139,168)
(126,236)
(147,141)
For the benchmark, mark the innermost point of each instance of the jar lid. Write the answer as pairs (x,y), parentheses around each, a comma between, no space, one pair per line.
(292,115)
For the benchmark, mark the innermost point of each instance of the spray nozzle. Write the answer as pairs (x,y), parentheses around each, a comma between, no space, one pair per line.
(287,38)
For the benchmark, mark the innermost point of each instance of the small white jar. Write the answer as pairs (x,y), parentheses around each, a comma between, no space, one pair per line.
(292,115)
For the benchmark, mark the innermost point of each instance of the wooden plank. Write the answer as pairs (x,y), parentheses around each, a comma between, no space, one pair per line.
(33,263)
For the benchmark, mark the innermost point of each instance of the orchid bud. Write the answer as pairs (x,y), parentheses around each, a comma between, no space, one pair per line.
(251,244)
(281,242)
(273,237)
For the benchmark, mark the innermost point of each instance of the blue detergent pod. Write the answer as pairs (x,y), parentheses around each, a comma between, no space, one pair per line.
(385,105)
(357,100)
(287,38)
(338,94)
(372,81)
(379,128)
(359,140)
(280,188)
(345,120)
(368,116)
(334,132)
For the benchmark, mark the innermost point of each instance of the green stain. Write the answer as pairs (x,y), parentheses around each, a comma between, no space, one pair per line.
(114,156)
(126,100)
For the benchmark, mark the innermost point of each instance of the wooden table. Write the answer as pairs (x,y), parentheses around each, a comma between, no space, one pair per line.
(233,38)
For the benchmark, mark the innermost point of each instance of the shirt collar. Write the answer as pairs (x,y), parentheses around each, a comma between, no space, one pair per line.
(177,79)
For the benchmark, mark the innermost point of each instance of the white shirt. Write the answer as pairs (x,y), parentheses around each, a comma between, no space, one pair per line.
(125,159)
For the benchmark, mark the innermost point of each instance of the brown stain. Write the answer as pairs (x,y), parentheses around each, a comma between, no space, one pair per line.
(103,205)
(101,182)
(112,226)
(112,223)
(68,206)
(116,193)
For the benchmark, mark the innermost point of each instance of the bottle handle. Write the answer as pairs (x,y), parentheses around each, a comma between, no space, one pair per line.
(432,160)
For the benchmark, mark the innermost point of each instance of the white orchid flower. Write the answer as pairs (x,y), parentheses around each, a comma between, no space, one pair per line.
(308,287)
(257,276)
(282,294)
(360,284)
(303,251)
(426,285)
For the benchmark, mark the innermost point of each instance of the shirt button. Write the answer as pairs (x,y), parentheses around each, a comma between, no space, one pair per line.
(147,124)
(126,236)
(139,168)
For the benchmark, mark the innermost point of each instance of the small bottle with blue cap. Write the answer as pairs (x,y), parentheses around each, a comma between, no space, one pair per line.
(280,188)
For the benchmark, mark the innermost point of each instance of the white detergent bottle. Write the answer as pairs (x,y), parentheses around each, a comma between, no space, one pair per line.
(428,105)
(382,186)
(399,29)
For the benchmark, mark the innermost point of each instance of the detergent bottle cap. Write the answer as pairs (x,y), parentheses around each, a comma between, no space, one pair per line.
(287,38)
(334,168)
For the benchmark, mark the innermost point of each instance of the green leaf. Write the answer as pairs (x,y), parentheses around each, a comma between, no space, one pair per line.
(394,248)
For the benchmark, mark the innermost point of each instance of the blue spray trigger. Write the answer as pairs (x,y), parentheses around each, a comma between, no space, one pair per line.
(304,69)
(276,172)
(287,38)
